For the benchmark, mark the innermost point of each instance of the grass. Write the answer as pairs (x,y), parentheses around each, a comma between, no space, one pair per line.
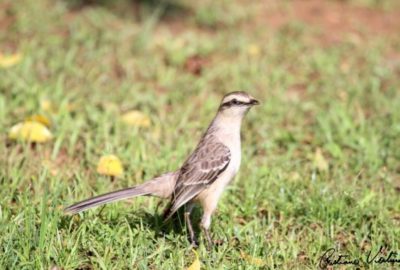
(340,99)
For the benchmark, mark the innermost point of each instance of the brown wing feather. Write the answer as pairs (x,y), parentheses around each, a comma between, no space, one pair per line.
(201,169)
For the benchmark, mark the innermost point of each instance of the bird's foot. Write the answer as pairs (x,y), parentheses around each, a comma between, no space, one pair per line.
(210,243)
(194,244)
(219,242)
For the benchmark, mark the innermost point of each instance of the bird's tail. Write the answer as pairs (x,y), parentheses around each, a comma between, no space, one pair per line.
(161,186)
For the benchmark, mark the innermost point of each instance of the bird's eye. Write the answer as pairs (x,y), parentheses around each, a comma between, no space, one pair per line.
(235,101)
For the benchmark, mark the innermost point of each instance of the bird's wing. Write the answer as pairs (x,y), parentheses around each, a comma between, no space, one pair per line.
(202,168)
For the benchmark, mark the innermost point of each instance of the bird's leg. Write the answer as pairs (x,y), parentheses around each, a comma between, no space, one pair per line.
(190,228)
(188,222)
(205,225)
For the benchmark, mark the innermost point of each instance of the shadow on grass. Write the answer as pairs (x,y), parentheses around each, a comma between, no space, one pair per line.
(175,226)
(137,9)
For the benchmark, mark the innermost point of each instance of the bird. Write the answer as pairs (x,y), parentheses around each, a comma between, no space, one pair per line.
(203,176)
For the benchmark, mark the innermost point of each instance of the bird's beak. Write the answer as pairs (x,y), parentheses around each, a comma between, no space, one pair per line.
(254,101)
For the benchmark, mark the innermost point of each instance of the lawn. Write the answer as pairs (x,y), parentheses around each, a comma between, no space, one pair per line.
(320,157)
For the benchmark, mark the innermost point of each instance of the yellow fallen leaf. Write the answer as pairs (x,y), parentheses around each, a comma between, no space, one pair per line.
(252,260)
(40,119)
(196,263)
(7,61)
(110,165)
(136,118)
(30,131)
(320,162)
(253,50)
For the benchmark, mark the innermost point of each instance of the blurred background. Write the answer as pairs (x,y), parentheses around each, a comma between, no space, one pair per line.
(141,79)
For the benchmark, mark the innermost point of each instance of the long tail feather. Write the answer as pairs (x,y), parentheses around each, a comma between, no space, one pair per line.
(161,186)
(105,198)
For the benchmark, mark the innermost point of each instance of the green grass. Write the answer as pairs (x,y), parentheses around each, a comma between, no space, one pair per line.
(342,98)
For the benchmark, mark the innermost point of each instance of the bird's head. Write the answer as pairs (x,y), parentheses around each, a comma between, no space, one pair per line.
(236,104)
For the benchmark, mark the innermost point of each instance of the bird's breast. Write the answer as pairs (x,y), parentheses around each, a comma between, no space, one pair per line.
(235,161)
(232,141)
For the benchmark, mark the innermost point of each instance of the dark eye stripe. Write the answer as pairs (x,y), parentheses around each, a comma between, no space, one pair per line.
(234,102)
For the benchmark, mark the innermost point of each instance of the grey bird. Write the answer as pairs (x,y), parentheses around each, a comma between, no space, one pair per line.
(203,176)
